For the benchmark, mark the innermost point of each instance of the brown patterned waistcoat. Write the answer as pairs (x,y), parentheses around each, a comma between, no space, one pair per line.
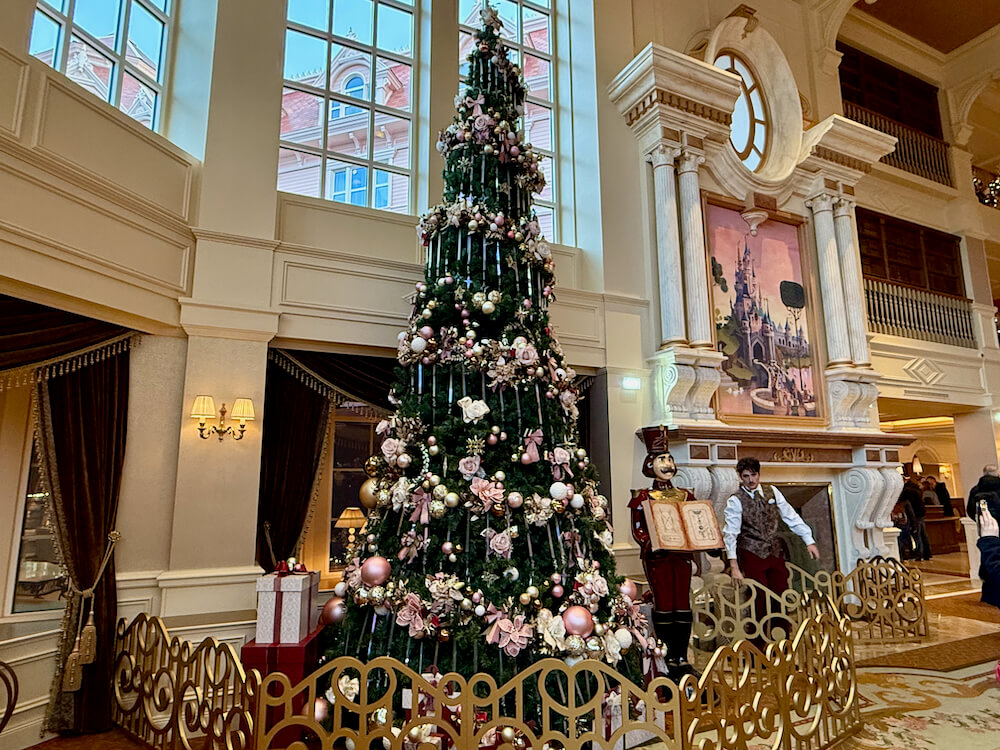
(759,530)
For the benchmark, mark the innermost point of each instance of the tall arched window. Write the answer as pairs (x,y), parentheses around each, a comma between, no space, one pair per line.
(750,129)
(366,124)
(528,29)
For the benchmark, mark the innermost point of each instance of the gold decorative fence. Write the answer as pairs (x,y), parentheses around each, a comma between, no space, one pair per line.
(882,599)
(800,695)
(172,694)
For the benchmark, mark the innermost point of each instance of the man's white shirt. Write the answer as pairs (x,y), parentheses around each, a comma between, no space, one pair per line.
(734,519)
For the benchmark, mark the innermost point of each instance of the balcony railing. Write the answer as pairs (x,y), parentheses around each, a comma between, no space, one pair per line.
(916,152)
(899,310)
(987,186)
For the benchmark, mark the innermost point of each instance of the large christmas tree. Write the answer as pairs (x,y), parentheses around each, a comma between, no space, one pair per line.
(487,546)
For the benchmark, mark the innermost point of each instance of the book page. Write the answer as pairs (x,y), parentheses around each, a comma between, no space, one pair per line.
(701,524)
(663,519)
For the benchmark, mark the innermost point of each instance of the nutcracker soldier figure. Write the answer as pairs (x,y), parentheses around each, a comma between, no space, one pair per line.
(667,571)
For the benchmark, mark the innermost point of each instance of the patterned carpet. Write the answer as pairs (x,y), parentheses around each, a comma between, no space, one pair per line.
(967,606)
(917,710)
(108,741)
(942,657)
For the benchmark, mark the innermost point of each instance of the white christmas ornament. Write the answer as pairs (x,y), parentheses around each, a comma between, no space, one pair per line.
(418,345)
(577,502)
(558,491)
(340,589)
(624,638)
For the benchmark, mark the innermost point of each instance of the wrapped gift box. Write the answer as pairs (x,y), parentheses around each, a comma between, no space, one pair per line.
(286,607)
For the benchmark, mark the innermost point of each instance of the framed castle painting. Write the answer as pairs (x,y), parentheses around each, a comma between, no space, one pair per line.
(762,304)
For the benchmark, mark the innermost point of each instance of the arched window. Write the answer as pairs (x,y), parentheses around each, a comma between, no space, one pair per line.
(353,61)
(750,129)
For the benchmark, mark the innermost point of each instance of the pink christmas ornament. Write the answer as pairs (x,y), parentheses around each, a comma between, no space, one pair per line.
(375,571)
(557,591)
(426,332)
(333,611)
(515,500)
(578,621)
(629,589)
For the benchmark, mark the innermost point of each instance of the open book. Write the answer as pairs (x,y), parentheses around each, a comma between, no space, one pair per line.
(690,525)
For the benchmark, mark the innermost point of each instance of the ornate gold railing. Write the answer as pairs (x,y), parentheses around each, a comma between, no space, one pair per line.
(800,695)
(882,599)
(172,694)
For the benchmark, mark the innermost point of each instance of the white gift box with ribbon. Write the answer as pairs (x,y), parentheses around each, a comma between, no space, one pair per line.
(286,607)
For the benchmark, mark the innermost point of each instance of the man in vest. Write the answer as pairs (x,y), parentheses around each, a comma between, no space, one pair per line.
(752,516)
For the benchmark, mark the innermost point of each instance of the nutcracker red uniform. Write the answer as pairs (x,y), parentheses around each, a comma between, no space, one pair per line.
(667,571)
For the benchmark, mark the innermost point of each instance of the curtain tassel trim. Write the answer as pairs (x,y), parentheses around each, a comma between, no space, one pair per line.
(85,646)
(53,368)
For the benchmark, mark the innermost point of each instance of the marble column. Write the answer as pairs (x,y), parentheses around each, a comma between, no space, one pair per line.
(837,342)
(668,251)
(850,269)
(693,245)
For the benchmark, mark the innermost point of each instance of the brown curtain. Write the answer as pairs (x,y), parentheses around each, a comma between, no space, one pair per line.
(33,333)
(295,421)
(81,439)
(367,378)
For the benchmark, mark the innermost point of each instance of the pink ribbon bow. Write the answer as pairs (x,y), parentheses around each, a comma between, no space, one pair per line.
(421,513)
(532,441)
(560,463)
(476,104)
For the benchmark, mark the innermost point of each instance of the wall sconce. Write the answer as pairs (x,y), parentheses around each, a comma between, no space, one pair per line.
(204,409)
(917,466)
(351,519)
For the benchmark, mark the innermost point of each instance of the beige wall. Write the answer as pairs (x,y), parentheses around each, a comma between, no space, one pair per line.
(185,238)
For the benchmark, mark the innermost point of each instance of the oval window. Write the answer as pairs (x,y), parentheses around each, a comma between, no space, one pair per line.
(749,131)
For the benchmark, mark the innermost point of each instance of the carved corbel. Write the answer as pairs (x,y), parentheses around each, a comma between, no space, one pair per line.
(860,492)
(673,382)
(843,395)
(707,379)
(695,478)
(725,482)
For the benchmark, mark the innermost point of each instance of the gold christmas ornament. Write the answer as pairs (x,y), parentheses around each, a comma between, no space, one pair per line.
(371,466)
(367,494)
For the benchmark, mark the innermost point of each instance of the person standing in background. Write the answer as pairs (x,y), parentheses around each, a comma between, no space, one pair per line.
(989,557)
(913,495)
(943,496)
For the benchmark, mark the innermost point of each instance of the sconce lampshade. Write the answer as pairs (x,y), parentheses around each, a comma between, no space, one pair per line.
(350,518)
(204,408)
(917,466)
(242,410)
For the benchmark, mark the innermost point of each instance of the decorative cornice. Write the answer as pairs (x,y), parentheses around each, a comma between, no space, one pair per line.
(827,154)
(781,438)
(680,103)
(226,238)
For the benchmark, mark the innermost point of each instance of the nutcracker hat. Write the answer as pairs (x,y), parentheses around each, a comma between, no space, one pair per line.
(656,440)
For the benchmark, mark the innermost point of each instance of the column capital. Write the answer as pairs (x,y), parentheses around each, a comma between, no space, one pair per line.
(690,160)
(821,203)
(843,207)
(662,155)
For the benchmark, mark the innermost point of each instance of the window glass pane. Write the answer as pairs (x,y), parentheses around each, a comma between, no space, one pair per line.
(537,74)
(353,19)
(392,140)
(349,65)
(743,71)
(740,130)
(392,84)
(760,136)
(301,118)
(45,36)
(347,130)
(99,18)
(145,41)
(536,30)
(392,191)
(138,100)
(465,41)
(509,14)
(757,104)
(395,30)
(312,13)
(752,160)
(59,5)
(546,167)
(546,220)
(298,172)
(41,580)
(468,12)
(89,68)
(354,182)
(351,444)
(538,125)
(541,3)
(161,4)
(305,58)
